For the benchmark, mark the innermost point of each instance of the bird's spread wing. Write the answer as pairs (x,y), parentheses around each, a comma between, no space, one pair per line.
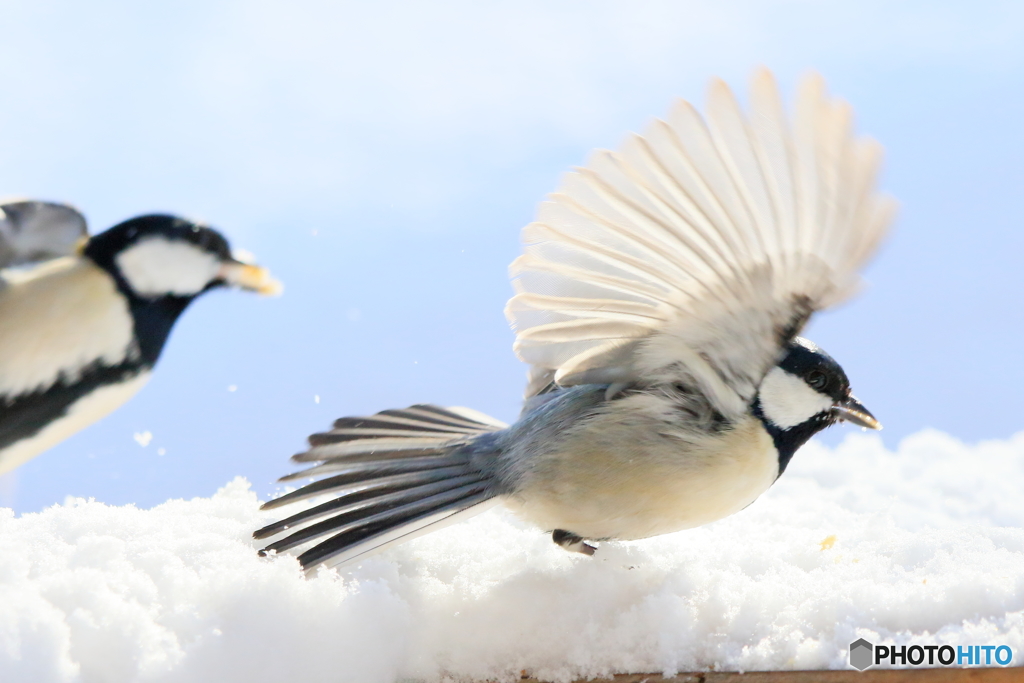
(33,231)
(698,250)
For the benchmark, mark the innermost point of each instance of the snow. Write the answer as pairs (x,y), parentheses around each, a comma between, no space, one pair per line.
(922,545)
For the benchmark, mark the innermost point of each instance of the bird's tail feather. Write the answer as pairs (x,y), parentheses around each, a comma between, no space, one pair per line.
(393,476)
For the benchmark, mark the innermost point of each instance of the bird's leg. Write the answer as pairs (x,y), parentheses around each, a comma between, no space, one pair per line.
(572,542)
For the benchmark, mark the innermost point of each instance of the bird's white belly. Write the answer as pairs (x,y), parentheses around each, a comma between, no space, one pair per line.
(80,415)
(55,320)
(603,487)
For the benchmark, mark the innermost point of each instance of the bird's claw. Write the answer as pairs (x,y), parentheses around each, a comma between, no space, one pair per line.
(572,542)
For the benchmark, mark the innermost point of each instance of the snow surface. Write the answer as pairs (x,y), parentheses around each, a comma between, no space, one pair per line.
(922,545)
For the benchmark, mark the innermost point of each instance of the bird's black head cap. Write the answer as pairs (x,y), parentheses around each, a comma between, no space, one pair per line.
(819,370)
(104,247)
(803,394)
(154,306)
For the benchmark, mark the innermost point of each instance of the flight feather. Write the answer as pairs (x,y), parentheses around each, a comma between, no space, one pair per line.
(698,250)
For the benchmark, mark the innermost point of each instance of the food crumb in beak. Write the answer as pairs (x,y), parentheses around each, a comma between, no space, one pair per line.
(251,277)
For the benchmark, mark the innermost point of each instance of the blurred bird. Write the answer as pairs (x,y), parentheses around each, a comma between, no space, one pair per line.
(83,320)
(658,302)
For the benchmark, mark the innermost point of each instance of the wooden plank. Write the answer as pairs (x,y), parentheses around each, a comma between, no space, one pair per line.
(950,675)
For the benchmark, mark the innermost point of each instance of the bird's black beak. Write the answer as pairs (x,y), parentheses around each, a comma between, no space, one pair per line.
(250,277)
(851,410)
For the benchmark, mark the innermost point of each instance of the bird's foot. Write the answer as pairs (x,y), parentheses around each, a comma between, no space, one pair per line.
(572,542)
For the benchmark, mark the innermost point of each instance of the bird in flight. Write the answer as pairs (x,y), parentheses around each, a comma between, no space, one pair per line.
(659,301)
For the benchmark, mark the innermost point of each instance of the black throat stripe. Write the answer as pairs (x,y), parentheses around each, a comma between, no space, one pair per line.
(24,416)
(788,441)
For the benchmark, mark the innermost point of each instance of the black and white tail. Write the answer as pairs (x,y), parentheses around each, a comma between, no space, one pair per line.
(393,476)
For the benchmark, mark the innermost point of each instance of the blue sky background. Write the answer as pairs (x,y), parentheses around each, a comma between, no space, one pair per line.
(381,158)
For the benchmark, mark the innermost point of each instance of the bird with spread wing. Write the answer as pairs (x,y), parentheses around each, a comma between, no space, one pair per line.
(658,302)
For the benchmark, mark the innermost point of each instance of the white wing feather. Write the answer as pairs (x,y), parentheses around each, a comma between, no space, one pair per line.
(697,251)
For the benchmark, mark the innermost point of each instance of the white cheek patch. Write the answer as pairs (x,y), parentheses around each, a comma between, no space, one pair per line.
(157,266)
(786,400)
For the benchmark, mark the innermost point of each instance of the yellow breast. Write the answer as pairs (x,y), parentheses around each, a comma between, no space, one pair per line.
(55,320)
(627,483)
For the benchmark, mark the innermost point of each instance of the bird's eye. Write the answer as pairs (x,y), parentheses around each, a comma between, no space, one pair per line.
(816,379)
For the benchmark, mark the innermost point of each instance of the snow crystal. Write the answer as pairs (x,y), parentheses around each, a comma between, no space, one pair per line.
(922,545)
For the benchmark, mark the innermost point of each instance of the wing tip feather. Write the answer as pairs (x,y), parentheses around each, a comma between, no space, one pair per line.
(817,128)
